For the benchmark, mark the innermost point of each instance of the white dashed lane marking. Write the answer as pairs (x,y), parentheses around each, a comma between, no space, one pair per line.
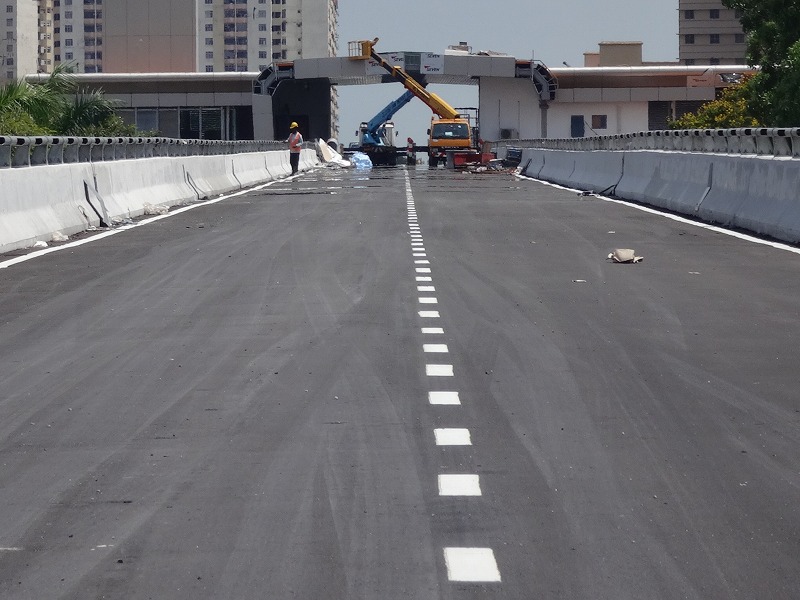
(440,348)
(476,565)
(471,564)
(459,485)
(433,330)
(444,398)
(452,436)
(439,370)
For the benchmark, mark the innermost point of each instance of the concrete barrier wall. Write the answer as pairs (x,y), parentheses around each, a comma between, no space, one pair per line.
(33,207)
(755,193)
(38,201)
(532,161)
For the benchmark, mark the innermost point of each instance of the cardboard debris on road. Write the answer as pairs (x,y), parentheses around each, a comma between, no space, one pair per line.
(625,255)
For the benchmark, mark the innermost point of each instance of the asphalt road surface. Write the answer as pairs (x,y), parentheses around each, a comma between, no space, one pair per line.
(401,384)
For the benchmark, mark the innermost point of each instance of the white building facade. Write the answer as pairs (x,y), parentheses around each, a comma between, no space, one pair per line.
(19,36)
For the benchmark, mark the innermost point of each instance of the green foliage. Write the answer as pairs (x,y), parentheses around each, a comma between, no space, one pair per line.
(55,106)
(732,109)
(773,44)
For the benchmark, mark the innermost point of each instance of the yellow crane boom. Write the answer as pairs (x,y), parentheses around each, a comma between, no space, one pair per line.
(364,49)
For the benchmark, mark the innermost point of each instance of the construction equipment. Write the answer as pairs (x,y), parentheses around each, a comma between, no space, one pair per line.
(376,137)
(450,132)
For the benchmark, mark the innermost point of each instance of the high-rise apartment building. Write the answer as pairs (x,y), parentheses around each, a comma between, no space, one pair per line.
(135,36)
(709,33)
(19,38)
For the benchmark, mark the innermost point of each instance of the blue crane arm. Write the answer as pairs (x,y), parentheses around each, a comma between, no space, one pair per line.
(388,111)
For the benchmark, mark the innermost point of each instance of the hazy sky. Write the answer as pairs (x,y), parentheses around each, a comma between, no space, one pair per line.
(554,32)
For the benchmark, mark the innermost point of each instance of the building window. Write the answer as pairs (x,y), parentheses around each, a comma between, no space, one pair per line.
(10,22)
(68,42)
(209,1)
(713,38)
(67,28)
(209,68)
(209,55)
(262,41)
(688,38)
(10,8)
(688,14)
(262,26)
(713,13)
(209,27)
(599,121)
(68,56)
(738,13)
(262,14)
(209,14)
(689,62)
(713,61)
(262,54)
(738,38)
(209,41)
(67,14)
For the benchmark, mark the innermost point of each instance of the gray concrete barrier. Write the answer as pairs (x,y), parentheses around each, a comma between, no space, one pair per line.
(755,192)
(38,201)
(532,161)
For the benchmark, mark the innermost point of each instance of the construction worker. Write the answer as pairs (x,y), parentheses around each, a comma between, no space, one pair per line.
(411,155)
(295,145)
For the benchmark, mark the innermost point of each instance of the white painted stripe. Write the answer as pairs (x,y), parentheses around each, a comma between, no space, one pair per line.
(142,223)
(418,254)
(439,370)
(440,348)
(10,549)
(683,220)
(423,270)
(426,288)
(459,485)
(422,261)
(433,330)
(429,314)
(424,278)
(428,300)
(448,398)
(417,243)
(452,436)
(418,248)
(471,564)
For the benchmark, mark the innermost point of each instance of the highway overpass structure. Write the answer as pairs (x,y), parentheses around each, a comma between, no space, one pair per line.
(515,98)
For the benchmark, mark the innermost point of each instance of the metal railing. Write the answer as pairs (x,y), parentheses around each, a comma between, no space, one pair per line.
(761,141)
(33,151)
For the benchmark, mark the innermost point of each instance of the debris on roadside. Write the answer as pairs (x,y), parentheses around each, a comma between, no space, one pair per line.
(625,255)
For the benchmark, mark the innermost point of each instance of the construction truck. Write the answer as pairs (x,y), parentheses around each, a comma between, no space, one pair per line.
(449,131)
(376,136)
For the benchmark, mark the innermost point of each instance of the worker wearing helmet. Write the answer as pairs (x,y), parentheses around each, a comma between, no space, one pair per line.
(295,145)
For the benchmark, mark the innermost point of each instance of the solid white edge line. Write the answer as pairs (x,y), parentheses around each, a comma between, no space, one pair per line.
(116,230)
(678,218)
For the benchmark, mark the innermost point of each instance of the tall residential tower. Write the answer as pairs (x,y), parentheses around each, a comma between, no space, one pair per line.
(136,36)
(710,34)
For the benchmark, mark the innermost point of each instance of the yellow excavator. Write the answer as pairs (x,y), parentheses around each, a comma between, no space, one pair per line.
(449,130)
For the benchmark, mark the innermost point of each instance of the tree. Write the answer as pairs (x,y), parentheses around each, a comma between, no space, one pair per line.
(732,109)
(56,106)
(773,44)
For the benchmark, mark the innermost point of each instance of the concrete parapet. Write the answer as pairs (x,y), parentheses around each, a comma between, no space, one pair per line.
(532,161)
(33,208)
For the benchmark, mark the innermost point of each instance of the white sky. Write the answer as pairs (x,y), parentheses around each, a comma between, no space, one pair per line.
(554,32)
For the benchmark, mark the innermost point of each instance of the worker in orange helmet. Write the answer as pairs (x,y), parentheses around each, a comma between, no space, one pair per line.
(295,146)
